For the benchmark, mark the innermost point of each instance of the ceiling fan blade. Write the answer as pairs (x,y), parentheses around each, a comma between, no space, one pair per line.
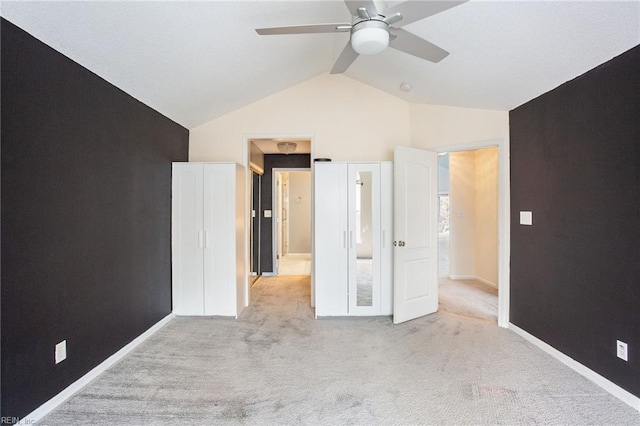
(416,46)
(344,61)
(354,5)
(413,11)
(306,29)
(392,19)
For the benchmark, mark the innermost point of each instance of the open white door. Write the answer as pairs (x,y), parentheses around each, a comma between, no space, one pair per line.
(415,243)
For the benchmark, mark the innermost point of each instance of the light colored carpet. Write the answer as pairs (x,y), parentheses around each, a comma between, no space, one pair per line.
(295,264)
(276,365)
(469,298)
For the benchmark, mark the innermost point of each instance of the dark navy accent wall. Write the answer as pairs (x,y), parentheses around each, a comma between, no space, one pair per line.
(575,163)
(86,219)
(274,161)
(255,221)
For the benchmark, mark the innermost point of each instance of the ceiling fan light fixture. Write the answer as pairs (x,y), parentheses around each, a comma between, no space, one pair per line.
(371,39)
(287,147)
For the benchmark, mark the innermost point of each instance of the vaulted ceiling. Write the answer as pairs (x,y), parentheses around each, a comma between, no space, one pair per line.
(196,61)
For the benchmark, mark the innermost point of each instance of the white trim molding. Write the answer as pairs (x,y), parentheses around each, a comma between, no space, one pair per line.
(487,282)
(462,277)
(473,278)
(615,390)
(83,381)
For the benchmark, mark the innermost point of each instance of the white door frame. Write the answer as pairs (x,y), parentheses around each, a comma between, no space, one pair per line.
(504,215)
(246,139)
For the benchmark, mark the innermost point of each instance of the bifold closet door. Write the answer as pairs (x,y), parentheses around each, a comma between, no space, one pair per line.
(207,239)
(330,239)
(187,239)
(220,239)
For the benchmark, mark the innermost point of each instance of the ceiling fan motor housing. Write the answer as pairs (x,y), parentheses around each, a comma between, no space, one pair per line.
(370,37)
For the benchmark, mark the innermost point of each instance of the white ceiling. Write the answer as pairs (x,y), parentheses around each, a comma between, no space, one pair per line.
(195,61)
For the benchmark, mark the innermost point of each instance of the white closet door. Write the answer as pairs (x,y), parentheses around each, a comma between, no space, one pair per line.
(187,239)
(363,239)
(331,239)
(386,237)
(219,241)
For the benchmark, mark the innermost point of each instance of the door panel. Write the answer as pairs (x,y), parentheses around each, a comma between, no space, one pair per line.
(331,239)
(219,253)
(187,239)
(417,207)
(415,236)
(414,271)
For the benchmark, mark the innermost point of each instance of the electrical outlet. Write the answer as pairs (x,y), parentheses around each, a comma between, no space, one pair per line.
(61,351)
(621,350)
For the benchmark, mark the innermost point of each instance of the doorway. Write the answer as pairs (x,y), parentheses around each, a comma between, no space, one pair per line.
(468,233)
(292,221)
(263,153)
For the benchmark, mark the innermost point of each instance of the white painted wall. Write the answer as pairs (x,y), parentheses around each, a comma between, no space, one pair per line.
(256,157)
(462,198)
(486,232)
(282,212)
(434,126)
(349,120)
(473,193)
(299,212)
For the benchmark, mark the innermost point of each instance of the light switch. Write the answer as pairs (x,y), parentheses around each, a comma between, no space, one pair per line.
(526,218)
(61,351)
(267,213)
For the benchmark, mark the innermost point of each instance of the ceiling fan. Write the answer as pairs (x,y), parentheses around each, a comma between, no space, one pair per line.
(372,31)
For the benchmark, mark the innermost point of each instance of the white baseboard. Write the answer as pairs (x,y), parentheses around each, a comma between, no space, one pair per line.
(615,390)
(487,282)
(473,278)
(462,277)
(83,381)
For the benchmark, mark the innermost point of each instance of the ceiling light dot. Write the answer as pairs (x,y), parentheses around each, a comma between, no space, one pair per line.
(405,87)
